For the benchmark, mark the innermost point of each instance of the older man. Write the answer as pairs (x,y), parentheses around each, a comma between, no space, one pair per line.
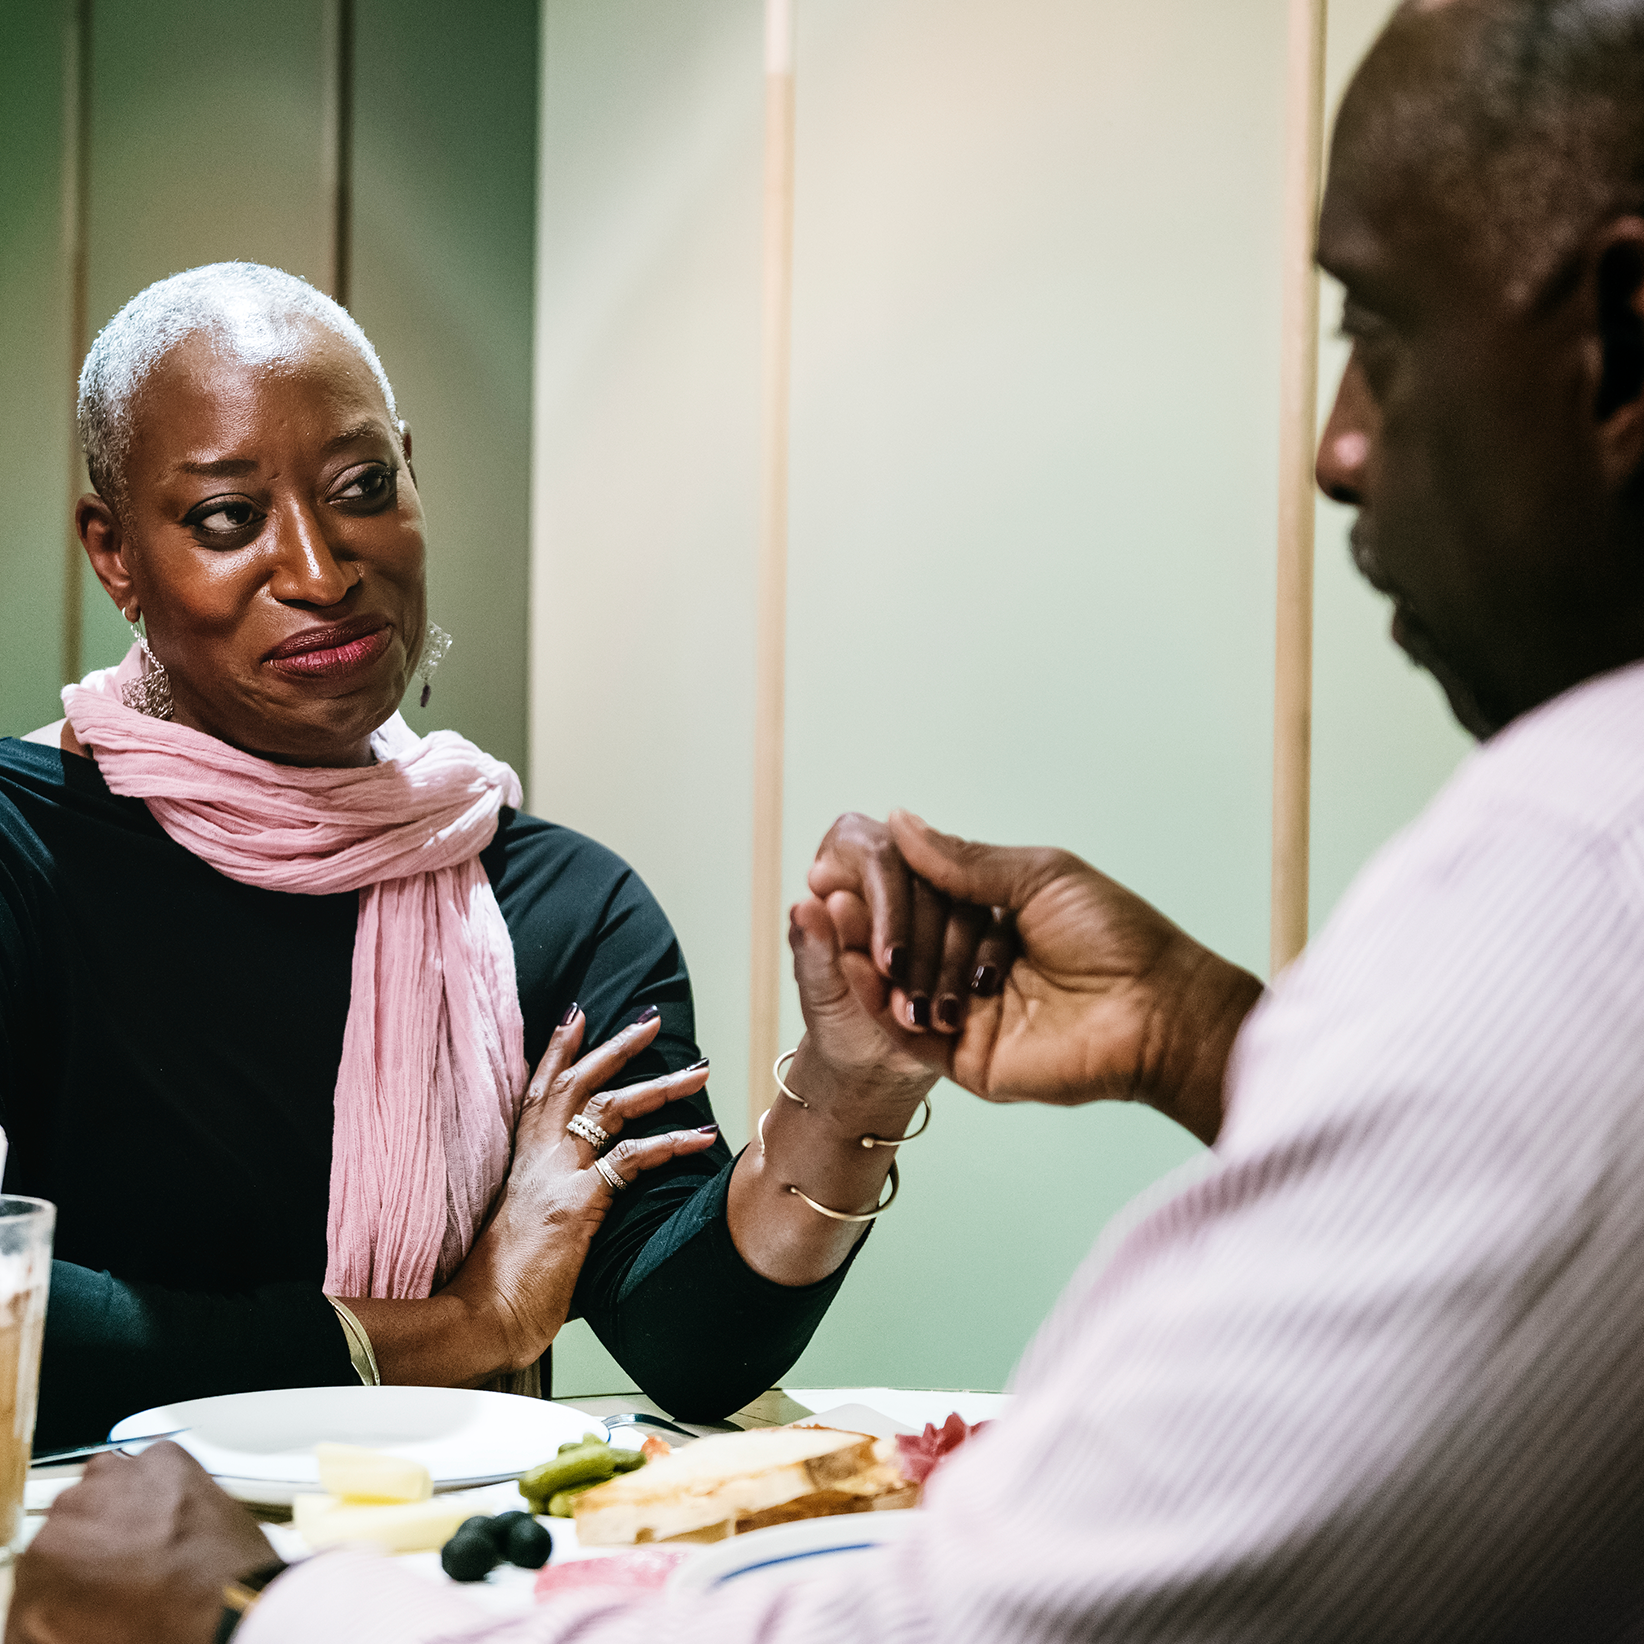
(1376,1375)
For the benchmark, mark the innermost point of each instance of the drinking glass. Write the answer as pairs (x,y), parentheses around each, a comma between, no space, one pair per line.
(25,1276)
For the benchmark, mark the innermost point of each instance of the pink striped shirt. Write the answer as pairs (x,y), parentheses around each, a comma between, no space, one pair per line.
(1377,1373)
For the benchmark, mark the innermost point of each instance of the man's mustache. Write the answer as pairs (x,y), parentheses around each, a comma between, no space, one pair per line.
(1361,544)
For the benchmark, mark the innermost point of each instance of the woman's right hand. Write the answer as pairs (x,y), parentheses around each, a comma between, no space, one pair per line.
(525,1264)
(1076,990)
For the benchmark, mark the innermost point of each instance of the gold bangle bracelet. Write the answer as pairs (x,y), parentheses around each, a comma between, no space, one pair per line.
(866,1141)
(912,1135)
(360,1352)
(840,1216)
(776,1073)
(821,1209)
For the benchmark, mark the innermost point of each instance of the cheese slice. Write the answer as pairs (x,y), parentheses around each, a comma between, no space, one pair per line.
(359,1474)
(720,1480)
(403,1527)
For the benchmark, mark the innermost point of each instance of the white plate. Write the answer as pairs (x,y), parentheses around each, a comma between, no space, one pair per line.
(260,1446)
(793,1552)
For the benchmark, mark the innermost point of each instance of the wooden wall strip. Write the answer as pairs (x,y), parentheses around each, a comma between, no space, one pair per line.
(1298,428)
(77,21)
(337,138)
(770,662)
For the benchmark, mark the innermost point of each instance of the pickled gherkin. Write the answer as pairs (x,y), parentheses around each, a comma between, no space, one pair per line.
(578,1467)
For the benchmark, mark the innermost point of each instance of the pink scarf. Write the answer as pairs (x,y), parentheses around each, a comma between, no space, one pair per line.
(433,1062)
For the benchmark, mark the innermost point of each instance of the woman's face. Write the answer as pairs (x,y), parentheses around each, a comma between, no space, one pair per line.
(273,539)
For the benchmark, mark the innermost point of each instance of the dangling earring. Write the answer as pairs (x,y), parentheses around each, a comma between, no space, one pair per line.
(436,642)
(151,694)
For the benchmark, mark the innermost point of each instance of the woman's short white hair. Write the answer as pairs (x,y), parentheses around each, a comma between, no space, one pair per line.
(249,305)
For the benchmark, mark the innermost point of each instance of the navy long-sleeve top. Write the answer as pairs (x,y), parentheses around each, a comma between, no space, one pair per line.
(169,1045)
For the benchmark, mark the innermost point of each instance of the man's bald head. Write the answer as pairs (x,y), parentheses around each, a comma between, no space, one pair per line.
(251,310)
(1521,120)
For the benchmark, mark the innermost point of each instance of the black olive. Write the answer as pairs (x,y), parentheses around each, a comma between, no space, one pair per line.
(528,1544)
(469,1555)
(500,1526)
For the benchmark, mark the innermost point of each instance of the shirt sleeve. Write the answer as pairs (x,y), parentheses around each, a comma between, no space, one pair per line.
(112,1347)
(1373,1375)
(688,1319)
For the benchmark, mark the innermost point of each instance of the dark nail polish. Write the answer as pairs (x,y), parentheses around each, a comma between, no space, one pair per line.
(570,1015)
(706,1130)
(919,1010)
(649,1014)
(985,983)
(696,1067)
(898,961)
(947,1011)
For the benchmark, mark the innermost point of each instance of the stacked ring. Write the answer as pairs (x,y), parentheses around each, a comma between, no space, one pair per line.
(608,1171)
(585,1127)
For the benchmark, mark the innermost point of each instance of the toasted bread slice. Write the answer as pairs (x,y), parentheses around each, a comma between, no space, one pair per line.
(721,1480)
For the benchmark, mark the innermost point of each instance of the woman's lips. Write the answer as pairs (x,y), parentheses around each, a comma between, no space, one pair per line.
(331,656)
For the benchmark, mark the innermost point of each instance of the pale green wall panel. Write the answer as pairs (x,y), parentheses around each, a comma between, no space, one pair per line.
(645,466)
(444,210)
(35,403)
(645,452)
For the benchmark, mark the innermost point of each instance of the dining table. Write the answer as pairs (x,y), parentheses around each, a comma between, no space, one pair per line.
(882,1411)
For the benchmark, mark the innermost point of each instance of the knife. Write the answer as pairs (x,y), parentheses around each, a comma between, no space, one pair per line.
(52,1458)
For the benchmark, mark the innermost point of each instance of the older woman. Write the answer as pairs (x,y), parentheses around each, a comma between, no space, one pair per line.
(273,970)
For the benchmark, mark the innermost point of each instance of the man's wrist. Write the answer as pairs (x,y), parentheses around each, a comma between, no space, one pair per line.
(1202,1008)
(241,1596)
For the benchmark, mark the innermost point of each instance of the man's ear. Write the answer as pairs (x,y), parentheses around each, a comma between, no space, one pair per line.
(1619,401)
(99,528)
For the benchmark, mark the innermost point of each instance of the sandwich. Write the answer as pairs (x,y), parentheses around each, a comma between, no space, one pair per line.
(734,1482)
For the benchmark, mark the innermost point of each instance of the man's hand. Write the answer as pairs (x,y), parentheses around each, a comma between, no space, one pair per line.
(138,1552)
(1103,997)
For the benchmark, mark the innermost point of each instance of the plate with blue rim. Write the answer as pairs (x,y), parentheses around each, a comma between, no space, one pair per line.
(793,1552)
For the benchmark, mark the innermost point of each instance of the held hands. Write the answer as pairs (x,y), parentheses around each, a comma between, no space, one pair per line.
(138,1552)
(1094,995)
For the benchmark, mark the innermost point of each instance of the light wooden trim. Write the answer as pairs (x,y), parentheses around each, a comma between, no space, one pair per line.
(337,143)
(770,657)
(76,190)
(1298,432)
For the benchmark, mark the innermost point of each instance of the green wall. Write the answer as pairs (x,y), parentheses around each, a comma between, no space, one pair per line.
(206,143)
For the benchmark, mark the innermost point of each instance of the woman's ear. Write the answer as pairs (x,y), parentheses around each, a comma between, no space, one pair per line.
(99,528)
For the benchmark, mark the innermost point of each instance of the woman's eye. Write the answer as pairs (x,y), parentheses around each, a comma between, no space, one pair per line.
(222,518)
(373,484)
